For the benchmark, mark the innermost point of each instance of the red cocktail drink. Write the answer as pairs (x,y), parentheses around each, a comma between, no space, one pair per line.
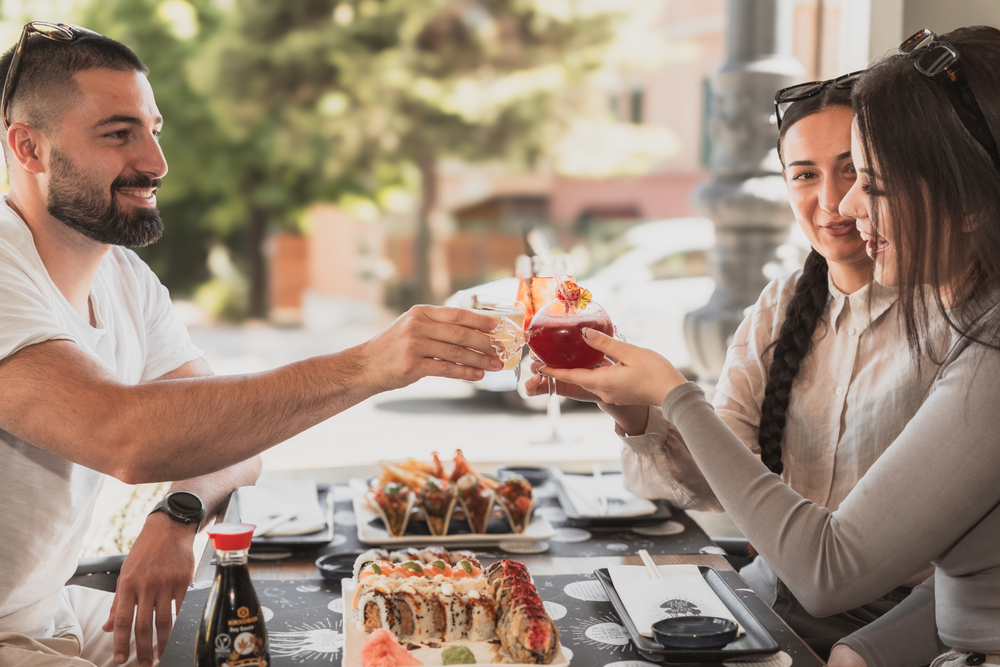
(554,334)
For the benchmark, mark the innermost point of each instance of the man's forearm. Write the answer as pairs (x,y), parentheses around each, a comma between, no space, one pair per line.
(171,429)
(62,400)
(207,424)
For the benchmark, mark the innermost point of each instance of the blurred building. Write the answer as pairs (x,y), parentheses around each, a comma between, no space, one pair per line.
(637,145)
(333,275)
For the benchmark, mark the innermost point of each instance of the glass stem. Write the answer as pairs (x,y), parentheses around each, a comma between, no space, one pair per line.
(554,409)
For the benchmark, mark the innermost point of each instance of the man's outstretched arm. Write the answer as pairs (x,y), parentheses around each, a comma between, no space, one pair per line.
(183,428)
(160,564)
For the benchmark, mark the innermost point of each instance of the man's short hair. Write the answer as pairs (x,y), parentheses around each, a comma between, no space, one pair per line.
(45,87)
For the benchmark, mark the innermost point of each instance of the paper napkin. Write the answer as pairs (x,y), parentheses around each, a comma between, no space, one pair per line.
(264,502)
(682,591)
(583,494)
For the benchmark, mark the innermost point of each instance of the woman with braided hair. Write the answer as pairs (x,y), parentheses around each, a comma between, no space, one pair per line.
(817,381)
(927,203)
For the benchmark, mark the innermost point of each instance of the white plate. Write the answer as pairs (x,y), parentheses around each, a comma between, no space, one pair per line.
(486,653)
(538,529)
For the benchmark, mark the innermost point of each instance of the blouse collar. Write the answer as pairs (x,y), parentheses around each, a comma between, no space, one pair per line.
(865,305)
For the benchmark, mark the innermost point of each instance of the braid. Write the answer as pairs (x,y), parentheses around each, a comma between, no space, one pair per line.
(791,347)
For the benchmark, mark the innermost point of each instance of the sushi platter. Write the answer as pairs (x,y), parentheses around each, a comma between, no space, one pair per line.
(430,606)
(412,502)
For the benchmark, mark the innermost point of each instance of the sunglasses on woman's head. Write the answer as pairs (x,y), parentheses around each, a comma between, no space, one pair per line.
(57,32)
(803,91)
(940,61)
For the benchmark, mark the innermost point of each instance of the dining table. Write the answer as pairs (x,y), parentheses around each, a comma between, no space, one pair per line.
(305,613)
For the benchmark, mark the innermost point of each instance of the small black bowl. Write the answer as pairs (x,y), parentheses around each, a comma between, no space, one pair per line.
(335,567)
(694,632)
(536,476)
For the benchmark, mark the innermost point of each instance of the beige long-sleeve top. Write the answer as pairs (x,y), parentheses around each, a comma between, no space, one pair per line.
(854,394)
(931,496)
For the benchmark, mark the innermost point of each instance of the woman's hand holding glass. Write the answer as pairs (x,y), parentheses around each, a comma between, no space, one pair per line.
(638,376)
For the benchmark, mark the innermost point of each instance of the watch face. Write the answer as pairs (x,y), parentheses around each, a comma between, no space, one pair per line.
(185,503)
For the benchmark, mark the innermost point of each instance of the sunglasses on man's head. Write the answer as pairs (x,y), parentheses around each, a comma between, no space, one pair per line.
(57,32)
(803,91)
(940,62)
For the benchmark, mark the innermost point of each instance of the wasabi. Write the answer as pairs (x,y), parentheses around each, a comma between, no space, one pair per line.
(457,655)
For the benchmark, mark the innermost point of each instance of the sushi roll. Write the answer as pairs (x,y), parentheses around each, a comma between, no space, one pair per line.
(403,555)
(526,631)
(456,557)
(372,555)
(447,618)
(413,611)
(426,602)
(431,554)
(375,605)
(480,609)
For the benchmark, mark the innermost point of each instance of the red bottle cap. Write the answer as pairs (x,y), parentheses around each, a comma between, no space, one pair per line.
(231,536)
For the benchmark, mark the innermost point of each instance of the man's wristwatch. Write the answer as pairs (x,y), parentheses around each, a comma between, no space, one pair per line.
(182,506)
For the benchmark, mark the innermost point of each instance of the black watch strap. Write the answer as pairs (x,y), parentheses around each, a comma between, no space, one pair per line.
(183,507)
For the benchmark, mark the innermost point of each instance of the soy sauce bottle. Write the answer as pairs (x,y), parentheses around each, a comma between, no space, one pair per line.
(232,632)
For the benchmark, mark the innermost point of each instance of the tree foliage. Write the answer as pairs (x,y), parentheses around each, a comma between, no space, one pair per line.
(271,105)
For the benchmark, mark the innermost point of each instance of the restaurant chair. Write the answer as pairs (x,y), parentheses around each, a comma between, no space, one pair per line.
(737,550)
(100,573)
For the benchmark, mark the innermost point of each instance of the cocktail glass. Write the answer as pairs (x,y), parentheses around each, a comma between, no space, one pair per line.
(554,333)
(539,286)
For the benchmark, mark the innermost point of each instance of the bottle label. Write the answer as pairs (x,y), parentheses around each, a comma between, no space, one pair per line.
(240,645)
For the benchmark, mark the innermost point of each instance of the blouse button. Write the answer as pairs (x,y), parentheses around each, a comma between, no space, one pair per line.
(840,391)
(853,331)
(975,659)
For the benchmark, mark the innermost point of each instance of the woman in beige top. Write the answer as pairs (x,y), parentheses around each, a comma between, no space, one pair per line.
(927,202)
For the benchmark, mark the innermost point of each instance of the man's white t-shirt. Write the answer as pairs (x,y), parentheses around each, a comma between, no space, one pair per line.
(46,501)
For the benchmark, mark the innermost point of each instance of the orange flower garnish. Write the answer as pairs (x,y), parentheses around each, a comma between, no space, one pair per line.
(570,292)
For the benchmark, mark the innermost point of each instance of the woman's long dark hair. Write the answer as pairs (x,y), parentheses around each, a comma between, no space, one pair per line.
(938,184)
(803,313)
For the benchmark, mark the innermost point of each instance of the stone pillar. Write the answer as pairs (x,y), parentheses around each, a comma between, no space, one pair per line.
(746,198)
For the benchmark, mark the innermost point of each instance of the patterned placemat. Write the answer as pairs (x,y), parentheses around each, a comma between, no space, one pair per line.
(678,535)
(305,624)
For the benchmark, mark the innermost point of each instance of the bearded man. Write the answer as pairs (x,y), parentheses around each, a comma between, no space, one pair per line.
(98,377)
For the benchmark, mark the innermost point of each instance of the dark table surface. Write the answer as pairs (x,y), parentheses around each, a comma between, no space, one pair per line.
(306,622)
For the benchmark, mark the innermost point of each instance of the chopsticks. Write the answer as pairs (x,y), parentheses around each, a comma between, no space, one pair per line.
(279,520)
(647,560)
(601,496)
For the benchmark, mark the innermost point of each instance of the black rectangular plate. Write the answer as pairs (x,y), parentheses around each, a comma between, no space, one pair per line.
(661,514)
(320,538)
(756,641)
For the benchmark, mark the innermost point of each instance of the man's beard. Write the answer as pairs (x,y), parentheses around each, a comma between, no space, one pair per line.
(82,206)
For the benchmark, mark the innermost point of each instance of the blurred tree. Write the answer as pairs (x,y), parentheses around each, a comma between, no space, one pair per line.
(168,35)
(272,105)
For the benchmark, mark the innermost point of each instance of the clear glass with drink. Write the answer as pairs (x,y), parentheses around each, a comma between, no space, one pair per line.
(507,340)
